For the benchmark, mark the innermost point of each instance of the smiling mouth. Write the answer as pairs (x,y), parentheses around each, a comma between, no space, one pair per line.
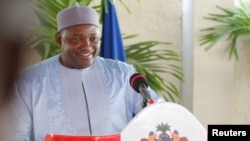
(86,53)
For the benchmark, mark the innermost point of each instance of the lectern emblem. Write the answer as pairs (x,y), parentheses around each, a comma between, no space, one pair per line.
(164,133)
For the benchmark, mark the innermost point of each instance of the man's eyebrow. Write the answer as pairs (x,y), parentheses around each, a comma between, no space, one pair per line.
(76,34)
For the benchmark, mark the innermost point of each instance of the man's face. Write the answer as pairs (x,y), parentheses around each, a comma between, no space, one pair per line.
(80,45)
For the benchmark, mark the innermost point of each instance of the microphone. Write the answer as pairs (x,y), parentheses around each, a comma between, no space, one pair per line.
(140,84)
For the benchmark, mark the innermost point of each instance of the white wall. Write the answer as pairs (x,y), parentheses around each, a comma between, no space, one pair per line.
(241,91)
(213,72)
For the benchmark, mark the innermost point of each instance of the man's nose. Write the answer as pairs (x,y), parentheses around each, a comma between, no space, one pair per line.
(85,43)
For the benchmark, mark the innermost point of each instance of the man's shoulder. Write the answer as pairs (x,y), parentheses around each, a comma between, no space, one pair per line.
(113,63)
(39,68)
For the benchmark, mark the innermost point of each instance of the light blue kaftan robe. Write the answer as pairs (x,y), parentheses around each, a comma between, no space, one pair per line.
(98,100)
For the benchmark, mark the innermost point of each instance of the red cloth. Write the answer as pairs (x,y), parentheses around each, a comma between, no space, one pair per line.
(55,137)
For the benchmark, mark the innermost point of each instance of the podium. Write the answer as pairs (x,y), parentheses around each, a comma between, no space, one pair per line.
(165,121)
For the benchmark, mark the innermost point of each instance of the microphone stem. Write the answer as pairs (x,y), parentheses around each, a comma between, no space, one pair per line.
(145,94)
(144,103)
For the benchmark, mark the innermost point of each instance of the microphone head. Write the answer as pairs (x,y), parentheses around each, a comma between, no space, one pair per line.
(136,80)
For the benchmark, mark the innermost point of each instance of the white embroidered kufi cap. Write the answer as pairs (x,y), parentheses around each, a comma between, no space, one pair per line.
(76,15)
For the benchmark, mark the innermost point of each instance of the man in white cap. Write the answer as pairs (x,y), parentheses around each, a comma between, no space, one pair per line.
(76,92)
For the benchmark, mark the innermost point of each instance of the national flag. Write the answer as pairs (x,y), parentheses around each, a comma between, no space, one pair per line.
(111,42)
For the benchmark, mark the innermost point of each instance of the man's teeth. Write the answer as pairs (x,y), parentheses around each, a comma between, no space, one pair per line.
(85,54)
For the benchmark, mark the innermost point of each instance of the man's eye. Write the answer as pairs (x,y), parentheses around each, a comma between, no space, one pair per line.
(94,39)
(75,40)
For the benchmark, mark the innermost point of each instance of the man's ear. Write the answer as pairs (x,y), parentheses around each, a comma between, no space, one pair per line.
(58,38)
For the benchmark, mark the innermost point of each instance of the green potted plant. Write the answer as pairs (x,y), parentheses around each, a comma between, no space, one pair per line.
(141,54)
(233,22)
